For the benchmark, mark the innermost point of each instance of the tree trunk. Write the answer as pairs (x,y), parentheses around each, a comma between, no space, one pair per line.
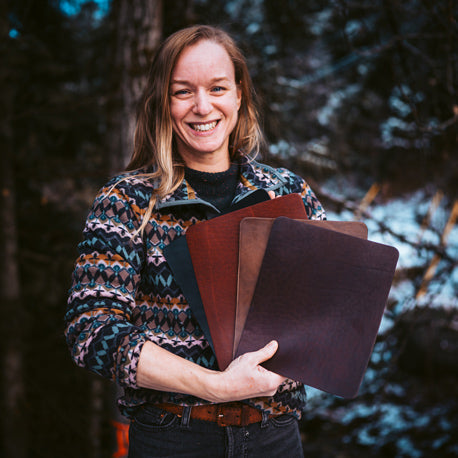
(14,427)
(138,30)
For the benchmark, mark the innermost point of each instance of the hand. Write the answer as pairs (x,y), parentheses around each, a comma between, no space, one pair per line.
(244,378)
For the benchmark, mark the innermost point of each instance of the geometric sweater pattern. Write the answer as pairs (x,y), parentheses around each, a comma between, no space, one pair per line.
(123,292)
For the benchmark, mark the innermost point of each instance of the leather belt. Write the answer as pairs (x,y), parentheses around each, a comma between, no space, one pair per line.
(227,414)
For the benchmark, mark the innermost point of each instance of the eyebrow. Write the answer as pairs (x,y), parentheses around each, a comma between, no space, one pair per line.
(212,81)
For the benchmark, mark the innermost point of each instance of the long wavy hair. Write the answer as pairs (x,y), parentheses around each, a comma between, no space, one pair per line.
(154,143)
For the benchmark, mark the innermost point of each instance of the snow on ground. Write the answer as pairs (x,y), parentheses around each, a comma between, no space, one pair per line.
(392,421)
(404,217)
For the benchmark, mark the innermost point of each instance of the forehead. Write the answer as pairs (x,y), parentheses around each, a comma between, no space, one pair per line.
(203,59)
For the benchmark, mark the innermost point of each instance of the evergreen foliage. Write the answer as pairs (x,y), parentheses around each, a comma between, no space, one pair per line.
(362,87)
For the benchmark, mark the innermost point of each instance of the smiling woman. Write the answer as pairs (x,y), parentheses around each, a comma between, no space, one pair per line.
(127,317)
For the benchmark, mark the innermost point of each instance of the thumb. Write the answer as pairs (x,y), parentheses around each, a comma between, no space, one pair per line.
(268,351)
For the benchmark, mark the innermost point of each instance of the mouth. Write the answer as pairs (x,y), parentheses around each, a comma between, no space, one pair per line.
(203,127)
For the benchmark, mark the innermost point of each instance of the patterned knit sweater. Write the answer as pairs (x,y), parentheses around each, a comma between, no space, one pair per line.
(123,292)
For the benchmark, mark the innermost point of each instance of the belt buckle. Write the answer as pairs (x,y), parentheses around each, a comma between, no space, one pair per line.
(229,415)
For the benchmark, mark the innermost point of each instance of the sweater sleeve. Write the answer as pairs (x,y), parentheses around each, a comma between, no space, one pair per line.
(99,329)
(296,184)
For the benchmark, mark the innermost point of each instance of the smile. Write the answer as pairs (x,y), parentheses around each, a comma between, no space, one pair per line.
(203,127)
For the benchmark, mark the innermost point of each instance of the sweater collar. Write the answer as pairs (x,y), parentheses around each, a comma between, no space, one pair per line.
(253,176)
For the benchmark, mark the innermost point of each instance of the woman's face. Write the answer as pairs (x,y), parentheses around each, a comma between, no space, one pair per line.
(204,104)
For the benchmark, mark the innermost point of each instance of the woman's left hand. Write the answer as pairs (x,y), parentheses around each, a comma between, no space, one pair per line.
(245,378)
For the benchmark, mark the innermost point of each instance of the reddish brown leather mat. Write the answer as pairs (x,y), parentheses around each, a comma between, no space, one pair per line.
(179,260)
(254,234)
(214,246)
(321,295)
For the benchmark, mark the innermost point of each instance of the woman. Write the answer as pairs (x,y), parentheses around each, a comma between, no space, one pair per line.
(127,318)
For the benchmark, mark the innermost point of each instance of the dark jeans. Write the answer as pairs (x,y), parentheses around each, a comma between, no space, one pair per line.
(153,434)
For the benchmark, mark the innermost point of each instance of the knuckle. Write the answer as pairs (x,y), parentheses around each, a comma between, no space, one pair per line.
(242,358)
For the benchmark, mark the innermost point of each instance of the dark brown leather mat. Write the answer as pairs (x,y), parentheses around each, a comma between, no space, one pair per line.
(321,294)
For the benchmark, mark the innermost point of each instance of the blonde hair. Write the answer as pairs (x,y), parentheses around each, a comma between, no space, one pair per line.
(154,143)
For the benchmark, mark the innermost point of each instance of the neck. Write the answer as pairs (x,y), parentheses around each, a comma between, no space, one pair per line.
(214,162)
(211,167)
(218,188)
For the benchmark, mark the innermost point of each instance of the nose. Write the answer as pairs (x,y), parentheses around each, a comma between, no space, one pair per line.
(202,103)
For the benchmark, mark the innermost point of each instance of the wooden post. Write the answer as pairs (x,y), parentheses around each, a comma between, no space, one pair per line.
(122,439)
(120,425)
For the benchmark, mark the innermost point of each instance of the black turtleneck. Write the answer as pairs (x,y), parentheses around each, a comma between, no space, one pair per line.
(217,188)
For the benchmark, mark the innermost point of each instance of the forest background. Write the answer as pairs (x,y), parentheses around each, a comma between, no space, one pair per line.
(357,96)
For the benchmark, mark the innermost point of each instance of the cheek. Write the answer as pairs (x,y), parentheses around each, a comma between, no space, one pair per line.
(177,111)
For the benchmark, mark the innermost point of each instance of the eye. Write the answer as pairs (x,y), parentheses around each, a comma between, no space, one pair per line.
(218,89)
(182,92)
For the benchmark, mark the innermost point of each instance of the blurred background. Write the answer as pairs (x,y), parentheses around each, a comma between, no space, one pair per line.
(358,96)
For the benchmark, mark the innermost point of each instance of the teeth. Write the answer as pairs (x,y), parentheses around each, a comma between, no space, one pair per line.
(204,127)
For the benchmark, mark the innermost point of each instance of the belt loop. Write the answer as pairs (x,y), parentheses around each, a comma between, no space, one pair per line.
(185,417)
(265,419)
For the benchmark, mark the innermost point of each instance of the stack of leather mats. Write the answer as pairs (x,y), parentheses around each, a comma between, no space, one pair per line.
(266,272)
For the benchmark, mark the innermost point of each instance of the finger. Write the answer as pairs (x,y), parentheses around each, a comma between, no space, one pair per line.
(271,194)
(266,352)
